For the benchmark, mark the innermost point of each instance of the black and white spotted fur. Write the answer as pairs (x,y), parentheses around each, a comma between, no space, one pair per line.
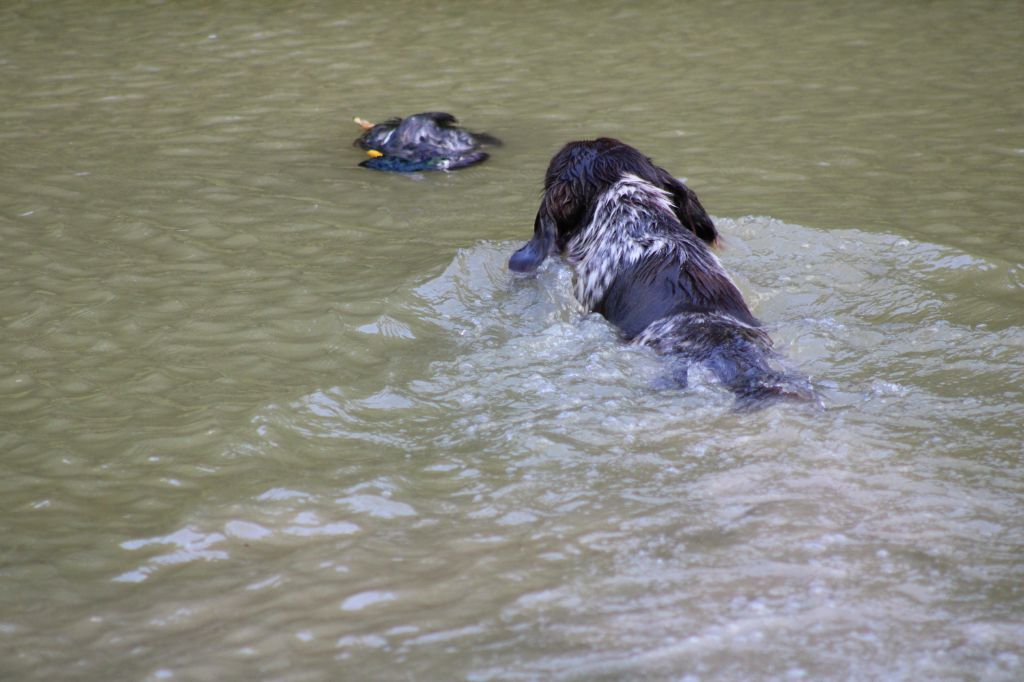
(658,281)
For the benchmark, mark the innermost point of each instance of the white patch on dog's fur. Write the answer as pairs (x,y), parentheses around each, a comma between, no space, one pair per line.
(617,236)
(664,334)
(626,227)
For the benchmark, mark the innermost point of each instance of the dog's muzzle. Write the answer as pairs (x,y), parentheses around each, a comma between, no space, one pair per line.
(532,254)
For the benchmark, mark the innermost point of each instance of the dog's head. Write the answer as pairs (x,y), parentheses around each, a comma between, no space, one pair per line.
(577,175)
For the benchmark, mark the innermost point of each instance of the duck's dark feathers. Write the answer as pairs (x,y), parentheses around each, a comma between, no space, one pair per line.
(399,164)
(427,141)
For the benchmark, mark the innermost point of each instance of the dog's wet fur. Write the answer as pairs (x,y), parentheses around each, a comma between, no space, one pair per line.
(639,242)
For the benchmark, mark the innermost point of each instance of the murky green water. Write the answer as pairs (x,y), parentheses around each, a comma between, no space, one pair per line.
(267,415)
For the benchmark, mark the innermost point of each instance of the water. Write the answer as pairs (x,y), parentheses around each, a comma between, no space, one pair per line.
(267,415)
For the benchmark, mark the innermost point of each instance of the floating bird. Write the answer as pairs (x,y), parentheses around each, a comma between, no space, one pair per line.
(427,141)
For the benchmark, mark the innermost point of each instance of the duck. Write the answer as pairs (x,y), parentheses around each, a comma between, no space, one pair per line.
(430,140)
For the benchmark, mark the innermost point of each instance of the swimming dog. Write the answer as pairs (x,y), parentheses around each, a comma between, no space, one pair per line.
(638,241)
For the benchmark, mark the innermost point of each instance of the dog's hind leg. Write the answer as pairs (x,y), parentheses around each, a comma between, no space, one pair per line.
(676,377)
(738,355)
(748,372)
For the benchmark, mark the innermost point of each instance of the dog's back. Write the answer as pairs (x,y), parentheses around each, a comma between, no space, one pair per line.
(663,287)
(635,263)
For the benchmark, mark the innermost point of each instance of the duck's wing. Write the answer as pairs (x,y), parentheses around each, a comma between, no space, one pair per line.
(448,122)
(463,160)
(487,138)
(441,118)
(436,132)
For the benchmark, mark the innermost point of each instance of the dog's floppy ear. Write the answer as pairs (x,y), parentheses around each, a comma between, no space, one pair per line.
(697,219)
(533,253)
(688,209)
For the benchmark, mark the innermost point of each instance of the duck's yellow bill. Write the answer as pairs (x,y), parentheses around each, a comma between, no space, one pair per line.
(373,153)
(363,123)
